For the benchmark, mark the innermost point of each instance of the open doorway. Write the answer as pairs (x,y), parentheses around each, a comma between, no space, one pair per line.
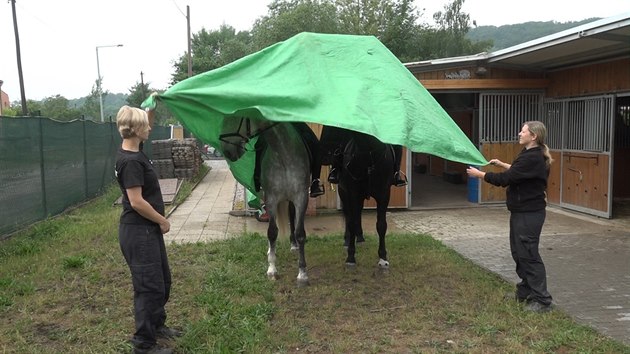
(439,183)
(621,173)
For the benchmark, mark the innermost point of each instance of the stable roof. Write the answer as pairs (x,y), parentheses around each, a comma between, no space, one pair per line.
(601,40)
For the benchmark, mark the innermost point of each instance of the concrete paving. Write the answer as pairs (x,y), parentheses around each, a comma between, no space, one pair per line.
(587,258)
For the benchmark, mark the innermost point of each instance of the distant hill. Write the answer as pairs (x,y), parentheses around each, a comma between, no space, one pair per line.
(510,35)
(111,103)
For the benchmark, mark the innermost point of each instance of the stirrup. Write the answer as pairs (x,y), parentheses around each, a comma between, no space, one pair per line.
(398,181)
(333,176)
(316,189)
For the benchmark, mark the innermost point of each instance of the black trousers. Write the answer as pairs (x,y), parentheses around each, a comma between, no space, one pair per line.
(525,229)
(144,250)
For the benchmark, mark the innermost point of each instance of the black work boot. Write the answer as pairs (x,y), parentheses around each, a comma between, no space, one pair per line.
(167,332)
(257,184)
(512,296)
(155,349)
(537,307)
(316,189)
(333,176)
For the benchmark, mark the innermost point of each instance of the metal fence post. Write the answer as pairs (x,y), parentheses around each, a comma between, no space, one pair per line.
(41,167)
(85,163)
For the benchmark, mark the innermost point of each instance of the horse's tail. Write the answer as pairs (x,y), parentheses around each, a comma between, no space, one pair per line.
(282,218)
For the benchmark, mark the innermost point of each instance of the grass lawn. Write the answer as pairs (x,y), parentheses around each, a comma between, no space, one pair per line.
(65,288)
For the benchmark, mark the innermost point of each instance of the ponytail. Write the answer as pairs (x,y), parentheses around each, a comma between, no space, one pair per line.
(538,128)
(547,155)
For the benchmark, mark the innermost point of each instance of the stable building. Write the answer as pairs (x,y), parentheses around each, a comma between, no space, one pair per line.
(576,81)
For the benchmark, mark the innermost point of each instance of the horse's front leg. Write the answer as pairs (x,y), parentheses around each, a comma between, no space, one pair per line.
(381,229)
(354,221)
(272,237)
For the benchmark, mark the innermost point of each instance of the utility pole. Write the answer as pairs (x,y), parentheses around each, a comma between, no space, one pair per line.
(19,59)
(144,93)
(189,55)
(100,79)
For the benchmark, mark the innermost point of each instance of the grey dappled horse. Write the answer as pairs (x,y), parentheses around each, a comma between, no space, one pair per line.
(285,179)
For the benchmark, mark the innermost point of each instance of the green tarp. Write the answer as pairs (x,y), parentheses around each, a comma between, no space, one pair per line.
(347,81)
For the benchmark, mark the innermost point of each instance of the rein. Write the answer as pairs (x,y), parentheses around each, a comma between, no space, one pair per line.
(244,139)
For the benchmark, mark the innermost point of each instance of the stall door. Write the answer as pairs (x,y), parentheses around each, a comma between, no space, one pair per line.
(582,130)
(501,116)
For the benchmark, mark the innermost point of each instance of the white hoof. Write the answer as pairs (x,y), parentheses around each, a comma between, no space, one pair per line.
(302,278)
(272,273)
(383,263)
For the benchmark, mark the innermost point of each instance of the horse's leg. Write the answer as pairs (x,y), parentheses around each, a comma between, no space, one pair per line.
(294,245)
(354,216)
(348,231)
(359,223)
(272,236)
(345,200)
(300,237)
(381,229)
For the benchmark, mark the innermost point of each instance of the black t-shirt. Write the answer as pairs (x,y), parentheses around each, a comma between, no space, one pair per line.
(134,169)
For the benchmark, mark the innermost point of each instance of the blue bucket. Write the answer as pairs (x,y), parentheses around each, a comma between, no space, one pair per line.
(473,189)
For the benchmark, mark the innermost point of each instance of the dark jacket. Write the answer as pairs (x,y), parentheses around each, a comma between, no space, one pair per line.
(526,181)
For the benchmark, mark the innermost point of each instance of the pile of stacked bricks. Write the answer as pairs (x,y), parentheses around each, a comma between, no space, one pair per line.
(176,158)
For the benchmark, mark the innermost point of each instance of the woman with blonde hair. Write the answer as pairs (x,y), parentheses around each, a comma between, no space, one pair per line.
(526,182)
(140,233)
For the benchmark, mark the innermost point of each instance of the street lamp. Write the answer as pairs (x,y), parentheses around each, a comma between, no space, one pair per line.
(1,102)
(98,68)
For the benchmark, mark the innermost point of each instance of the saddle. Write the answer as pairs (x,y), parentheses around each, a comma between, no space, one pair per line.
(361,164)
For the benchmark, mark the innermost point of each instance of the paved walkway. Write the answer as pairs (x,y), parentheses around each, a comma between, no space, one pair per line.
(587,258)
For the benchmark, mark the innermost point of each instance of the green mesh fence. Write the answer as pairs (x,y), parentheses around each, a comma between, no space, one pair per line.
(47,166)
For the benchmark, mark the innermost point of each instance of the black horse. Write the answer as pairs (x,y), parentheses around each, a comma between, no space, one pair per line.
(367,170)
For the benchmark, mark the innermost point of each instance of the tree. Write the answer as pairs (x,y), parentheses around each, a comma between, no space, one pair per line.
(367,17)
(11,111)
(213,49)
(401,29)
(139,92)
(449,38)
(393,22)
(287,18)
(91,108)
(58,108)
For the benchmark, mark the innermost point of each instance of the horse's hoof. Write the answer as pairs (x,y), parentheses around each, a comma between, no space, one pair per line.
(383,264)
(360,238)
(351,264)
(272,276)
(295,248)
(301,283)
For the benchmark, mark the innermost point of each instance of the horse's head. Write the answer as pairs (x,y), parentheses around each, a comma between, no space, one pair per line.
(235,134)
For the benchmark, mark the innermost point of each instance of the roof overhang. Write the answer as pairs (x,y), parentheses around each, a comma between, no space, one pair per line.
(602,40)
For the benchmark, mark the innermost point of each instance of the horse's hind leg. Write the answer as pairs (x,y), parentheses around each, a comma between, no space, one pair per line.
(354,222)
(381,229)
(300,237)
(272,237)
(294,245)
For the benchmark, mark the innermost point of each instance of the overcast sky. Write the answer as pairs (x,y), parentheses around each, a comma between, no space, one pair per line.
(58,39)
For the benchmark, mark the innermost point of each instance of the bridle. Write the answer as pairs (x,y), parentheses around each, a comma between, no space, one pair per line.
(239,139)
